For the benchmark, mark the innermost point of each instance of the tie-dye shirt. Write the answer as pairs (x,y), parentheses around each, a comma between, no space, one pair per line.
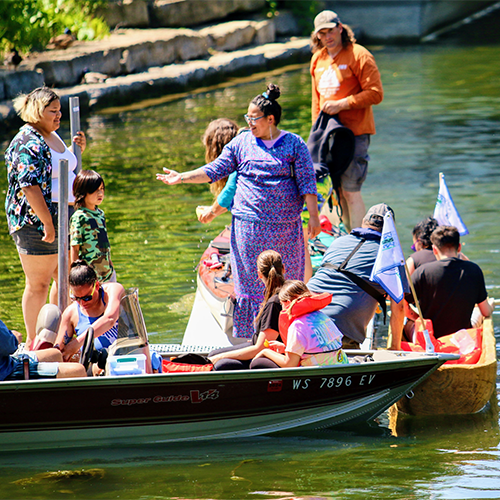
(316,339)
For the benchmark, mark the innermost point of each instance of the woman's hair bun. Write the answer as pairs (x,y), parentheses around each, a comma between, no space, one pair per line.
(273,92)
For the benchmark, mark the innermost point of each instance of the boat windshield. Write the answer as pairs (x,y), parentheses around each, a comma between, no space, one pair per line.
(131,323)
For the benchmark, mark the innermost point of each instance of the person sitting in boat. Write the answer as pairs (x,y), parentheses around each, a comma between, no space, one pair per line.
(354,303)
(275,177)
(449,289)
(93,304)
(311,337)
(218,133)
(271,272)
(422,245)
(46,363)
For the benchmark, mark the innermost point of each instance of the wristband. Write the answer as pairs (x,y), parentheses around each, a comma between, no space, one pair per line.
(182,179)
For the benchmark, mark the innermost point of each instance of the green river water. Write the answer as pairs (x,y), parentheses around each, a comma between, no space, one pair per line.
(441,113)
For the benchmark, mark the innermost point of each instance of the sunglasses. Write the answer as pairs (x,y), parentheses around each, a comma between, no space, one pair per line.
(86,298)
(251,120)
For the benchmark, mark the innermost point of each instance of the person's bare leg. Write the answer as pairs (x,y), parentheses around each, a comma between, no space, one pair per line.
(38,270)
(53,296)
(353,208)
(71,370)
(49,355)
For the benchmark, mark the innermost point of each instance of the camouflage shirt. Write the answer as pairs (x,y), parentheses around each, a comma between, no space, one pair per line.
(88,230)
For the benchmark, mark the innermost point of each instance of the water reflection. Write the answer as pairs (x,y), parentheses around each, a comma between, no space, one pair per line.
(355,464)
(479,431)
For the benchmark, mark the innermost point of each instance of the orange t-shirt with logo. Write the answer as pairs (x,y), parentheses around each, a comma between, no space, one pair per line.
(352,73)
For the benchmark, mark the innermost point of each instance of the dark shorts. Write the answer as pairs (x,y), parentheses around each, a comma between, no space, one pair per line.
(37,370)
(353,178)
(28,241)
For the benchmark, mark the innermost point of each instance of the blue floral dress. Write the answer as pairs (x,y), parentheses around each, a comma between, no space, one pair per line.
(266,212)
(29,163)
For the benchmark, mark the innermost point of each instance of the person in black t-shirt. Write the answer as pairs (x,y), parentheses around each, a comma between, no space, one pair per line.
(449,288)
(271,271)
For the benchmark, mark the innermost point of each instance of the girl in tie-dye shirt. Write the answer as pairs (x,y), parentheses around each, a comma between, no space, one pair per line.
(312,339)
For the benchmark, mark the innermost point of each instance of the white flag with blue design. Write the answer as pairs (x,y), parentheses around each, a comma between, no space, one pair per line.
(445,212)
(389,268)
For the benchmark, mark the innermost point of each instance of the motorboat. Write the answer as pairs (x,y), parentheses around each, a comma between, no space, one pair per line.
(130,405)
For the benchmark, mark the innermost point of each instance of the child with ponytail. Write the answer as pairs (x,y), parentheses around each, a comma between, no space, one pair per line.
(271,272)
(310,336)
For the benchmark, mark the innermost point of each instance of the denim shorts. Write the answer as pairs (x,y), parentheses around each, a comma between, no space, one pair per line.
(37,370)
(353,178)
(28,241)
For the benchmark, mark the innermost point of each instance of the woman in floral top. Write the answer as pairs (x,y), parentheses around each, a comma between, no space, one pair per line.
(275,178)
(31,215)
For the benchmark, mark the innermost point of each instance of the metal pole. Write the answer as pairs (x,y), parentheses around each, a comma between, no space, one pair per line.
(63,250)
(74,120)
(429,346)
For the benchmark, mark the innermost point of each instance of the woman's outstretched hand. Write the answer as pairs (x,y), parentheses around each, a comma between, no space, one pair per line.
(170,177)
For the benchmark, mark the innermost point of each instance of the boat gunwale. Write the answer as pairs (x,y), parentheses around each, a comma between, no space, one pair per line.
(270,373)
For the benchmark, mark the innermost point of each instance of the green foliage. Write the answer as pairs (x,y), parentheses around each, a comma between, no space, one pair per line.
(304,11)
(28,25)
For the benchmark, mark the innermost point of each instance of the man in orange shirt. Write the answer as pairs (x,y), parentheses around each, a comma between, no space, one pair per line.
(345,81)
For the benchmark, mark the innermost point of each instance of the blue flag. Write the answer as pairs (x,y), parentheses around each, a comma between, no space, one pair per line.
(389,268)
(445,212)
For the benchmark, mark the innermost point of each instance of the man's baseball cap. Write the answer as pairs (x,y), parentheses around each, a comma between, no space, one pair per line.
(326,19)
(375,214)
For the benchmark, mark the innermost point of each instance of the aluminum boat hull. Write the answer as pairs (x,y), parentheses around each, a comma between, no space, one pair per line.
(110,410)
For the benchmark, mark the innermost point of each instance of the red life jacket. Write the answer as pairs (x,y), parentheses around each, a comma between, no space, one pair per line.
(299,307)
(467,343)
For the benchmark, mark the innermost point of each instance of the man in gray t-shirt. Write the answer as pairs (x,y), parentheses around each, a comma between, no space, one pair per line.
(351,307)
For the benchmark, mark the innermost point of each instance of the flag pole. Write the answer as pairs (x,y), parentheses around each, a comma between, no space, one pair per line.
(429,346)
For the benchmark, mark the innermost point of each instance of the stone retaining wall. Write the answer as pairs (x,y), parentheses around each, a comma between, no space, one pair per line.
(132,51)
(174,13)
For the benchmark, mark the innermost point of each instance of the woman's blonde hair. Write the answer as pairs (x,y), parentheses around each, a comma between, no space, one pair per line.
(218,133)
(30,107)
(293,289)
(270,265)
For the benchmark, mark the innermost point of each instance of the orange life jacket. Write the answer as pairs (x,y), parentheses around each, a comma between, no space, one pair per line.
(299,307)
(467,343)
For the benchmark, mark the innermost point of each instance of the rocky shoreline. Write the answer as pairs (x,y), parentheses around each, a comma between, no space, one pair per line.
(136,64)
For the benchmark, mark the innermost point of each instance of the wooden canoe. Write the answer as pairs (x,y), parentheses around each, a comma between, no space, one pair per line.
(457,389)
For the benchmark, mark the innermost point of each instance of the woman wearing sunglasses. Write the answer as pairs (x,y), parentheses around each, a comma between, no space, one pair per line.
(93,304)
(275,178)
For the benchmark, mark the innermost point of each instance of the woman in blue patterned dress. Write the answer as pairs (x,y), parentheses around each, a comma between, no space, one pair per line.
(275,178)
(30,206)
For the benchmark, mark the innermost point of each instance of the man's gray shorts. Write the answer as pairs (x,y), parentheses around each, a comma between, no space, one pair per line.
(353,178)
